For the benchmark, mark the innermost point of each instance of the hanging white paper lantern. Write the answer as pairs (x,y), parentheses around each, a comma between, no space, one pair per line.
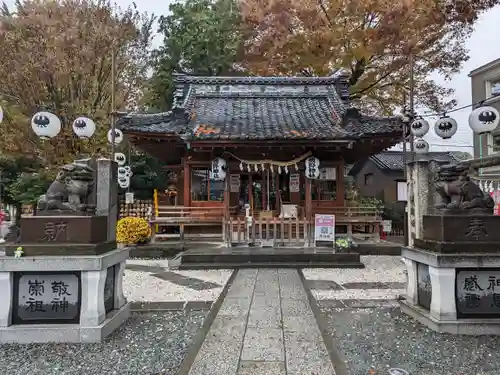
(128,171)
(46,125)
(255,168)
(279,169)
(218,166)
(249,169)
(118,136)
(312,167)
(286,169)
(419,127)
(446,127)
(124,182)
(84,127)
(421,146)
(122,172)
(241,167)
(262,166)
(120,158)
(1,114)
(484,120)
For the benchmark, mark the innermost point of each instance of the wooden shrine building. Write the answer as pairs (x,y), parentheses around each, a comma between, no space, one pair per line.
(263,129)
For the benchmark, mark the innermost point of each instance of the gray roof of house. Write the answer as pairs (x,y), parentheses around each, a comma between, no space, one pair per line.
(393,160)
(261,108)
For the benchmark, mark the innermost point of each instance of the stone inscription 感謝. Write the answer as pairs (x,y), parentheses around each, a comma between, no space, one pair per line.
(424,286)
(478,292)
(48,297)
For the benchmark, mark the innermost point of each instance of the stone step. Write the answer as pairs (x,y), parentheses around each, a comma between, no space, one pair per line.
(205,266)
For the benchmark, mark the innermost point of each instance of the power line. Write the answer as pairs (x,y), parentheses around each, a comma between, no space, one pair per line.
(479,103)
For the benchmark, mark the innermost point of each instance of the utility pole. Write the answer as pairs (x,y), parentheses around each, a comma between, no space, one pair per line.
(409,114)
(113,109)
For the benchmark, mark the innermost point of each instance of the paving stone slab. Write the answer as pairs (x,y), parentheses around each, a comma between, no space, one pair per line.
(217,357)
(296,307)
(265,316)
(228,327)
(261,368)
(263,344)
(235,306)
(306,354)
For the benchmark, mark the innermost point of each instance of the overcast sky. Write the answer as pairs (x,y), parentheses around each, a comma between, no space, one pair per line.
(482,50)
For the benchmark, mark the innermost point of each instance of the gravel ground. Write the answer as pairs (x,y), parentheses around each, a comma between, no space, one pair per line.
(148,344)
(356,284)
(385,338)
(152,281)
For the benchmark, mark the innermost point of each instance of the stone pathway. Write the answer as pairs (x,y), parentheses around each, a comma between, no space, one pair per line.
(265,326)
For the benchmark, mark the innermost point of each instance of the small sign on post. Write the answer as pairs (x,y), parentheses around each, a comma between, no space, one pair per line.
(129,198)
(324,228)
(387,226)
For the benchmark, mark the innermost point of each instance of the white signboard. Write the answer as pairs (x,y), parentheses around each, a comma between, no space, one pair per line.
(324,228)
(129,198)
(294,182)
(386,226)
(329,174)
(234,183)
(48,296)
(402,191)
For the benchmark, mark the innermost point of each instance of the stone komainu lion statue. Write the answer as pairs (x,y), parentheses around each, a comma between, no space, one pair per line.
(458,191)
(70,191)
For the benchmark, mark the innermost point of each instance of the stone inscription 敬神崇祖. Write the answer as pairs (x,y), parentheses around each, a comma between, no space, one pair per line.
(478,292)
(48,297)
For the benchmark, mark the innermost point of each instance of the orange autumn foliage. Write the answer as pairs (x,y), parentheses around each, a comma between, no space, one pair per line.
(372,39)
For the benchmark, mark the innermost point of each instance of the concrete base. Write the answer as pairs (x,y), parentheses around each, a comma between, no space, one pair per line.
(473,327)
(64,333)
(95,320)
(441,314)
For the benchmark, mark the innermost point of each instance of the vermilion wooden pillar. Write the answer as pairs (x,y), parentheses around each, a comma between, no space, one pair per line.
(187,183)
(308,196)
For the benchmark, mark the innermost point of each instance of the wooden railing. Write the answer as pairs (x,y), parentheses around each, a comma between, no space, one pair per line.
(348,212)
(182,214)
(267,232)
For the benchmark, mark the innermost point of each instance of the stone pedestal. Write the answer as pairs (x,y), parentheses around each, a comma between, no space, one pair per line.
(67,286)
(62,298)
(454,274)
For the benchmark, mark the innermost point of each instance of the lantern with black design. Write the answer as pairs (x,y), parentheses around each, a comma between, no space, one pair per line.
(419,127)
(446,127)
(421,146)
(84,127)
(46,125)
(312,167)
(120,158)
(218,172)
(484,120)
(118,136)
(124,175)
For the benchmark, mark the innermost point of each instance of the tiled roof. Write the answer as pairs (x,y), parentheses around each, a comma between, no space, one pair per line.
(393,160)
(260,108)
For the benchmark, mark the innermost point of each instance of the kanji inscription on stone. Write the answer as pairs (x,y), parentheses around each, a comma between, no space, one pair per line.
(478,292)
(476,229)
(55,231)
(48,297)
